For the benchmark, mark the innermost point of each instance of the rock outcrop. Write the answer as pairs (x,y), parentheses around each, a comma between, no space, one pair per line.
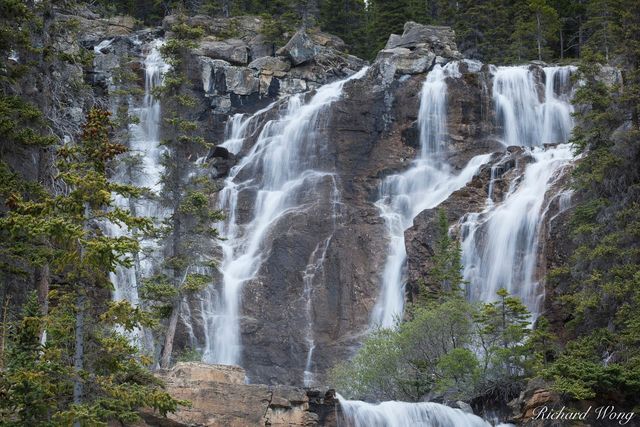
(219,397)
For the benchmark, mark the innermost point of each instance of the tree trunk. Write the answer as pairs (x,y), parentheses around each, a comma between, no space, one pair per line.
(3,334)
(42,278)
(225,8)
(165,360)
(78,357)
(539,36)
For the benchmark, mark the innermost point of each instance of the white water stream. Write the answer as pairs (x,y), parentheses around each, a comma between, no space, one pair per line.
(530,115)
(507,255)
(142,169)
(356,413)
(425,185)
(281,170)
(500,245)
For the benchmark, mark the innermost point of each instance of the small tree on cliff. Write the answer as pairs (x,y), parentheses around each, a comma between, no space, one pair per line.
(502,329)
(444,277)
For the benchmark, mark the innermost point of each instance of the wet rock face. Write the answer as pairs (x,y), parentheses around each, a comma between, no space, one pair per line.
(364,136)
(421,237)
(370,133)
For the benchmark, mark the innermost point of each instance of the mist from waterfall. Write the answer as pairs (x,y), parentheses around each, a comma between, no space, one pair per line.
(500,245)
(281,170)
(143,170)
(425,185)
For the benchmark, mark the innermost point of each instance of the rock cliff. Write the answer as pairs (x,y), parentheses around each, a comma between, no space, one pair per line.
(370,132)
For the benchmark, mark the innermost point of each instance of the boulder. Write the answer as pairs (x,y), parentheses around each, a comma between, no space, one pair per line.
(190,372)
(234,51)
(439,40)
(300,48)
(407,61)
(271,64)
(463,406)
(241,81)
(327,40)
(536,394)
(260,47)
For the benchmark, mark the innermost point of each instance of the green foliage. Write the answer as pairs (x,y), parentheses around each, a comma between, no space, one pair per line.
(538,21)
(44,366)
(445,274)
(20,122)
(436,353)
(601,279)
(347,19)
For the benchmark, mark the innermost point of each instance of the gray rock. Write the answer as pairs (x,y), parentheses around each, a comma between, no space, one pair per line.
(464,406)
(234,51)
(327,40)
(270,63)
(259,47)
(212,74)
(300,48)
(440,40)
(291,85)
(241,81)
(408,61)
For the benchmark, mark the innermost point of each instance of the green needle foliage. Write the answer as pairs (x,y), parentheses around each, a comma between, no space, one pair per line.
(189,233)
(600,283)
(70,364)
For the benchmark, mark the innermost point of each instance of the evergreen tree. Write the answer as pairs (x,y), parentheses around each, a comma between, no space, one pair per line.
(444,277)
(347,20)
(386,17)
(601,276)
(502,332)
(82,370)
(188,233)
(537,26)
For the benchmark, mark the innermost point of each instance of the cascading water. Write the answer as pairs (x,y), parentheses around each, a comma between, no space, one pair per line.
(281,171)
(356,413)
(526,119)
(144,171)
(425,185)
(506,256)
(500,244)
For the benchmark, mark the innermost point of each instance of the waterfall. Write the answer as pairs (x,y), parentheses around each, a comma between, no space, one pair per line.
(505,255)
(356,413)
(143,170)
(500,244)
(425,185)
(528,117)
(281,171)
(316,263)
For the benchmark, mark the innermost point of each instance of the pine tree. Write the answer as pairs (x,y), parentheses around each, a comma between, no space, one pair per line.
(386,17)
(347,20)
(537,26)
(444,277)
(503,328)
(85,372)
(188,233)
